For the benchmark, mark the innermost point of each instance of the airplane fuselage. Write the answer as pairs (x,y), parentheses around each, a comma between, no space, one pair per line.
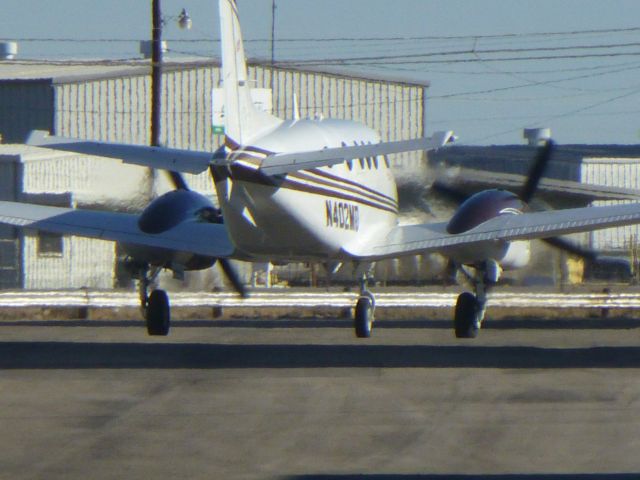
(309,214)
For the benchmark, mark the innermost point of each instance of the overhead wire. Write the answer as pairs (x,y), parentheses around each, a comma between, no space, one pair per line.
(485,51)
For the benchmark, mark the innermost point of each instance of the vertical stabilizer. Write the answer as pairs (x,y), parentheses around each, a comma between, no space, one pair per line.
(242,121)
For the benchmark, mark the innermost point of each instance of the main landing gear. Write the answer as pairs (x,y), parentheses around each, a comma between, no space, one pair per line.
(155,307)
(364,312)
(471,307)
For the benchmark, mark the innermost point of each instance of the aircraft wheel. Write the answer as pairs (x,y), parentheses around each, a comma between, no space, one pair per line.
(158,313)
(364,317)
(465,316)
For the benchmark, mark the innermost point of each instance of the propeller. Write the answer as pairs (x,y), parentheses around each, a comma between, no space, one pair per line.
(572,248)
(179,183)
(536,172)
(232,276)
(177,180)
(527,192)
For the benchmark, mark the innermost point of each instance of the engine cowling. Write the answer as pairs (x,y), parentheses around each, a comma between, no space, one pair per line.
(478,209)
(166,212)
(483,206)
(175,207)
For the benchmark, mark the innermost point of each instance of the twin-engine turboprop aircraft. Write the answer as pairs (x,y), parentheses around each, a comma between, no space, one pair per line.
(304,190)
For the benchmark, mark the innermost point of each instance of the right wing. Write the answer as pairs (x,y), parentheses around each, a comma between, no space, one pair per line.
(433,237)
(207,239)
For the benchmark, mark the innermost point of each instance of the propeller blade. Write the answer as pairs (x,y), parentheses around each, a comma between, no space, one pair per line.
(572,248)
(177,180)
(536,171)
(233,277)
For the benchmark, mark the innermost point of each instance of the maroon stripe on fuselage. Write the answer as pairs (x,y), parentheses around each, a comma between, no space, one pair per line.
(347,185)
(263,179)
(336,178)
(250,175)
(378,197)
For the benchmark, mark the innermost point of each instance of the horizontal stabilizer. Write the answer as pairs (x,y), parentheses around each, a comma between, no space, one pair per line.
(155,157)
(288,162)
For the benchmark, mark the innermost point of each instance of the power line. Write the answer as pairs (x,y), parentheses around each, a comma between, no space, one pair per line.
(539,83)
(472,51)
(337,62)
(352,39)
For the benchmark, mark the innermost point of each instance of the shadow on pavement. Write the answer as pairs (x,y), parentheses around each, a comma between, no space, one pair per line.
(91,355)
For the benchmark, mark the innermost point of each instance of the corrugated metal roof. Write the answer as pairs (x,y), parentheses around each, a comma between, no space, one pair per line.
(68,71)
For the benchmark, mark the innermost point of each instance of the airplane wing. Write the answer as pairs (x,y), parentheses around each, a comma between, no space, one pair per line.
(157,157)
(433,237)
(287,162)
(201,238)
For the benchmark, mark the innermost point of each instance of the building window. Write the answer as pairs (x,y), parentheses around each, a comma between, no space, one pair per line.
(50,244)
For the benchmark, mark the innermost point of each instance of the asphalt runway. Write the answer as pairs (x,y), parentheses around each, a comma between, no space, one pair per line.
(304,399)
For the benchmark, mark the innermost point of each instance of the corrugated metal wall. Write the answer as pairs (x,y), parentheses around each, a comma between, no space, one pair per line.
(84,262)
(118,109)
(617,172)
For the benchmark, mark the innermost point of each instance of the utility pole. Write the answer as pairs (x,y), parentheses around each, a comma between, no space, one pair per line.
(273,39)
(156,72)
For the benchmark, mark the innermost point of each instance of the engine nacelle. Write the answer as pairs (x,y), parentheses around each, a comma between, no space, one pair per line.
(483,206)
(478,209)
(166,212)
(175,207)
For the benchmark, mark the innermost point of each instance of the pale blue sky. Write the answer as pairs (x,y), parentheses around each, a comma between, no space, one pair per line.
(593,99)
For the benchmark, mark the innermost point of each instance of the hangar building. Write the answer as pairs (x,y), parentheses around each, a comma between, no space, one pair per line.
(112,103)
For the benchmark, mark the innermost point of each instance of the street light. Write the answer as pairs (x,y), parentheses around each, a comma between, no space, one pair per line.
(184,20)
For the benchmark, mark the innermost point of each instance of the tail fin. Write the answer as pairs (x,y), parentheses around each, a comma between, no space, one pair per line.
(242,121)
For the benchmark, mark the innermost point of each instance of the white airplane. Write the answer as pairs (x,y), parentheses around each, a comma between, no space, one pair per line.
(316,190)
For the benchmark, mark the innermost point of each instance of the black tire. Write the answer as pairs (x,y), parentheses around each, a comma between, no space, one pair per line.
(464,319)
(158,313)
(363,319)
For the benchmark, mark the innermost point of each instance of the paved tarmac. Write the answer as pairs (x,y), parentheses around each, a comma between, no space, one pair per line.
(304,399)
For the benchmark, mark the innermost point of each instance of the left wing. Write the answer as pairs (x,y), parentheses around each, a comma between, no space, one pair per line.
(433,237)
(207,239)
